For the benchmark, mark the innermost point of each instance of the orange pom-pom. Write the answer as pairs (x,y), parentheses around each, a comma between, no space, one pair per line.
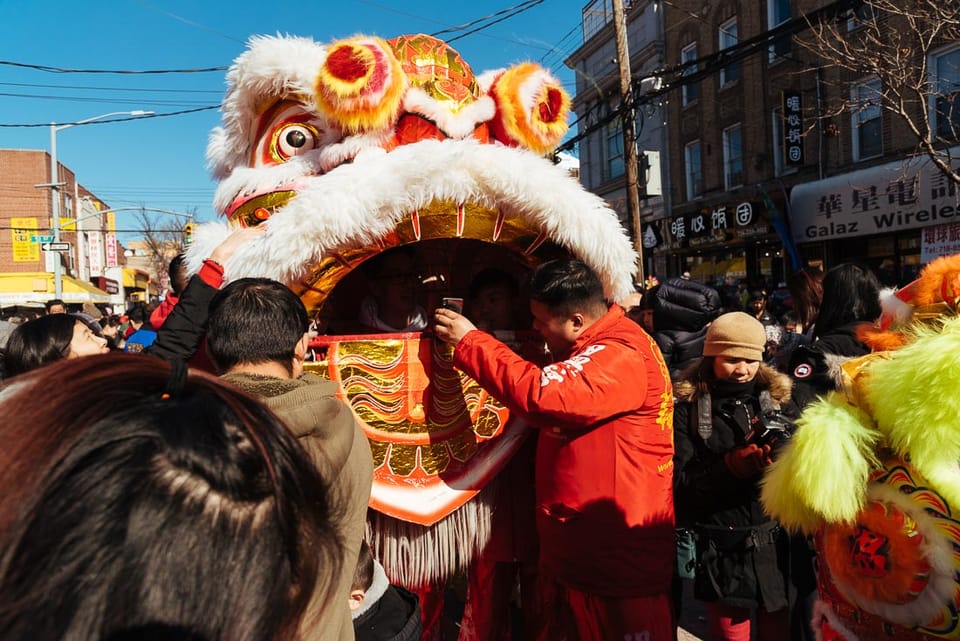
(360,85)
(532,108)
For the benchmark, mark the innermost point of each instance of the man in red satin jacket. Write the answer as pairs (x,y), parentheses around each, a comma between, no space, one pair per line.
(604,467)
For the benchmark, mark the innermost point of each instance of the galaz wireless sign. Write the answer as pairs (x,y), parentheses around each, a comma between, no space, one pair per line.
(901,195)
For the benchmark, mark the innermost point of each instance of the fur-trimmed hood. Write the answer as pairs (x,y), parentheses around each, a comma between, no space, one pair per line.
(688,388)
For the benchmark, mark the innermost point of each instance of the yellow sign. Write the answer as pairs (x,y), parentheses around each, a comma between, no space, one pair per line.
(24,249)
(68,224)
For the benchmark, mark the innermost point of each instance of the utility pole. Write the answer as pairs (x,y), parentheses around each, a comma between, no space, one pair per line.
(628,123)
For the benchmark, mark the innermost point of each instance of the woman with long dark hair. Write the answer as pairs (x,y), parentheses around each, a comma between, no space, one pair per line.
(851,300)
(142,502)
(48,339)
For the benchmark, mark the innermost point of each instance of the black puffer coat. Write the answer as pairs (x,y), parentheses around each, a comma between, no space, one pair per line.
(815,368)
(682,309)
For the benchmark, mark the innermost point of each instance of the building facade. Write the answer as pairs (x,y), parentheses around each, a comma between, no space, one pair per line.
(88,247)
(773,156)
(597,107)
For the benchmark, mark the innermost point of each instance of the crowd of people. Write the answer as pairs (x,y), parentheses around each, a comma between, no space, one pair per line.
(176,504)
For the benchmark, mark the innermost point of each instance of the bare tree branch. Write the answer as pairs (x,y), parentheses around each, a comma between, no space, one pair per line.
(894,41)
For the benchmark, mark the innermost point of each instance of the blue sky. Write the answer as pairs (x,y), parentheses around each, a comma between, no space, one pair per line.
(159,162)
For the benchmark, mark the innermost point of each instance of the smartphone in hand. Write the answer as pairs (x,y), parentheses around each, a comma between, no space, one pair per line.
(454,304)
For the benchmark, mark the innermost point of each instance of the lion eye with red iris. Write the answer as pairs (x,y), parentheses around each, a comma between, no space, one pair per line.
(294,140)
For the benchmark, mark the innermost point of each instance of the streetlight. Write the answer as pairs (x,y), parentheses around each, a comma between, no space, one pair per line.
(55,184)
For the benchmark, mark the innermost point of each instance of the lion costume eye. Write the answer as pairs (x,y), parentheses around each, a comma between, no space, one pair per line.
(286,131)
(294,139)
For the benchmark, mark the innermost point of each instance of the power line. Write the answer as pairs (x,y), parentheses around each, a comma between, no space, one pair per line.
(50,69)
(526,7)
(95,88)
(103,122)
(107,101)
(468,25)
(712,63)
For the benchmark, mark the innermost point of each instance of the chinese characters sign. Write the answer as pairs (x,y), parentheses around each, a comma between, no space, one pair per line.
(710,225)
(891,197)
(792,129)
(25,250)
(939,240)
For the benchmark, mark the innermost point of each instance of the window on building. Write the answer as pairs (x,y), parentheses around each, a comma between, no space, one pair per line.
(728,38)
(945,67)
(865,115)
(859,16)
(778,12)
(693,169)
(732,157)
(690,91)
(614,149)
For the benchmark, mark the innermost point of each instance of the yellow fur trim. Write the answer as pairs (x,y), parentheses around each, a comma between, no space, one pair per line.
(370,102)
(915,396)
(522,92)
(822,473)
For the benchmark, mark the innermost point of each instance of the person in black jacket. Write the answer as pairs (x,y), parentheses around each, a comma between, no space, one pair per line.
(381,611)
(682,309)
(851,299)
(729,406)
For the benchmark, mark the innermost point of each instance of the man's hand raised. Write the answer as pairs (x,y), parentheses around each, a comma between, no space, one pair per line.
(451,326)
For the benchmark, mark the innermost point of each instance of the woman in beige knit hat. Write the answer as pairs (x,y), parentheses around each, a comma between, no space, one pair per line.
(730,414)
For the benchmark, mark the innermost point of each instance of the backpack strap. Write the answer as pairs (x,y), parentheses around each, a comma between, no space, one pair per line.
(767,404)
(705,416)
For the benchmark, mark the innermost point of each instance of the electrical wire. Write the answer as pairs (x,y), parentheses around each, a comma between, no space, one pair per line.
(468,25)
(218,92)
(103,122)
(529,5)
(49,69)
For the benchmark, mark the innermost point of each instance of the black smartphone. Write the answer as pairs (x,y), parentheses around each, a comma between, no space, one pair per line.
(455,304)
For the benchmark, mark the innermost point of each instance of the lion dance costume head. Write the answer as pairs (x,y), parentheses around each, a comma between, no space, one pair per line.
(352,149)
(874,474)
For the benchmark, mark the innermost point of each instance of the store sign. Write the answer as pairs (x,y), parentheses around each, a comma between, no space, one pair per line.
(939,240)
(95,252)
(892,197)
(709,226)
(111,249)
(792,128)
(22,231)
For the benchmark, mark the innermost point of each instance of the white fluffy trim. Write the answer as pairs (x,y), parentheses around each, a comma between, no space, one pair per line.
(416,555)
(357,204)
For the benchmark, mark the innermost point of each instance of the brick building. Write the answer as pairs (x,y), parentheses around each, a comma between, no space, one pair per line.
(26,222)
(771,157)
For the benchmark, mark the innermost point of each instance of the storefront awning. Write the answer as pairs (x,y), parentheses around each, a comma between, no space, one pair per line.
(135,279)
(18,288)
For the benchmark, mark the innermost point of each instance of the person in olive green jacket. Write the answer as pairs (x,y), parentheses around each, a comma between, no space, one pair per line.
(256,331)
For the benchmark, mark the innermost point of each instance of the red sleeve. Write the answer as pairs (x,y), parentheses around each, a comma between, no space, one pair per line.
(211,273)
(602,380)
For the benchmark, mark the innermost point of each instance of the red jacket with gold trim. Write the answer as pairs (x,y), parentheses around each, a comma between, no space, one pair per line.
(604,477)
